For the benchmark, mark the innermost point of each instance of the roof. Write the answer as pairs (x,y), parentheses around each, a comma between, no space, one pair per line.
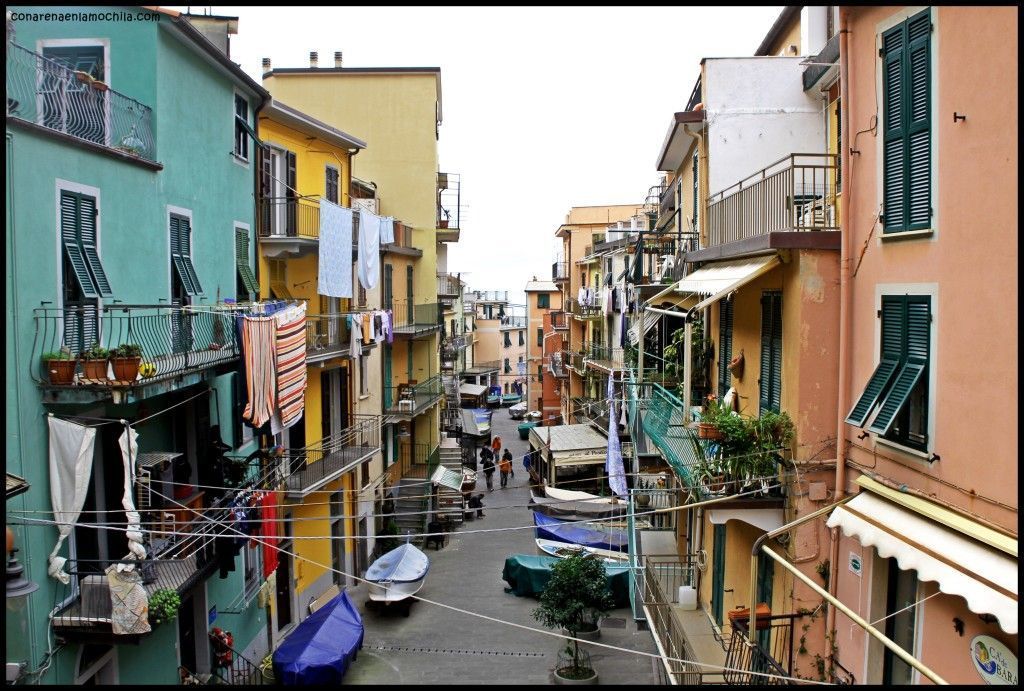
(541,287)
(472,389)
(675,146)
(788,14)
(276,110)
(565,438)
(15,485)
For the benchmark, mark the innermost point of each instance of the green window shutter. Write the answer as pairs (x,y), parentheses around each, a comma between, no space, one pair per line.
(764,386)
(906,324)
(179,255)
(770,396)
(877,384)
(71,233)
(186,254)
(242,261)
(917,110)
(894,131)
(897,397)
(74,254)
(919,319)
(776,381)
(725,314)
(87,224)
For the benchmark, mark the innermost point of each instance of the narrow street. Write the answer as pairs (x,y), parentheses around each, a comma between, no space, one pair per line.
(436,645)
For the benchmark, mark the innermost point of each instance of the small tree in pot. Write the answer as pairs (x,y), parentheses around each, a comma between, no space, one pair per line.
(576,598)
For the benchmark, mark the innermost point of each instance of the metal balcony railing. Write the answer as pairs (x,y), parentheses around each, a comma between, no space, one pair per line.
(327,335)
(331,457)
(652,203)
(448,285)
(666,201)
(449,201)
(560,271)
(654,586)
(796,193)
(414,398)
(412,319)
(46,93)
(588,308)
(487,296)
(174,340)
(559,320)
(511,321)
(603,355)
(294,217)
(771,652)
(241,672)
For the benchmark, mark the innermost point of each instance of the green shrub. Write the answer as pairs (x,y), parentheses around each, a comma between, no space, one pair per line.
(163,605)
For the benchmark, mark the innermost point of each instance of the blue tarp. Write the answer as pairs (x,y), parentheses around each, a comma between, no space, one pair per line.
(321,648)
(580,533)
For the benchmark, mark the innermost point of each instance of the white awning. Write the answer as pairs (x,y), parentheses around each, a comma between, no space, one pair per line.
(717,280)
(472,389)
(985,577)
(765,519)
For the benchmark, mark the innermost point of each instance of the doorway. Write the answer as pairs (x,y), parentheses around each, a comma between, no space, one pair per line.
(901,624)
(718,574)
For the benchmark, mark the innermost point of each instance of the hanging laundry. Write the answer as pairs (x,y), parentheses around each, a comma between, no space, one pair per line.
(369,249)
(387,230)
(291,363)
(129,603)
(129,454)
(389,325)
(581,295)
(355,347)
(379,319)
(258,351)
(268,512)
(71,449)
(334,277)
(366,324)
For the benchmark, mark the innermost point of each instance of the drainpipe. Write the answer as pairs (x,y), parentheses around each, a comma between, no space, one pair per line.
(845,309)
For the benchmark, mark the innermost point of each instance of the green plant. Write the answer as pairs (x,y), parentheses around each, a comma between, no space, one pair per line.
(57,355)
(388,543)
(822,567)
(95,352)
(127,350)
(163,605)
(575,598)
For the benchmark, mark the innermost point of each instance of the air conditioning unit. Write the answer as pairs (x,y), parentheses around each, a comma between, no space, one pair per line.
(371,205)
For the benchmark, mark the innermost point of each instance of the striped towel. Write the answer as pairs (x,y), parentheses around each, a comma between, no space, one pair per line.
(291,362)
(258,351)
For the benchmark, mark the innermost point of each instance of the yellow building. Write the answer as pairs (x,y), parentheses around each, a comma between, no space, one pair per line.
(334,465)
(398,111)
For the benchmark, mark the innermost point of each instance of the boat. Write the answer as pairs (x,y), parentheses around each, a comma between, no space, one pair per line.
(517,411)
(494,396)
(585,534)
(476,424)
(527,575)
(511,399)
(551,548)
(322,647)
(568,504)
(397,574)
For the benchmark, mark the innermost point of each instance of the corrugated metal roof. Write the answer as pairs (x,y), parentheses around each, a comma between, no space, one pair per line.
(562,438)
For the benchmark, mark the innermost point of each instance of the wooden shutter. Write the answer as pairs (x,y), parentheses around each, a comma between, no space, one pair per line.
(266,189)
(897,397)
(725,307)
(894,130)
(776,388)
(87,231)
(242,261)
(917,111)
(71,231)
(912,314)
(876,386)
(388,286)
(180,248)
(770,397)
(290,182)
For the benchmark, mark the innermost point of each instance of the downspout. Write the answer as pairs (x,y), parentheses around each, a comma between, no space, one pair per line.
(845,309)
(759,545)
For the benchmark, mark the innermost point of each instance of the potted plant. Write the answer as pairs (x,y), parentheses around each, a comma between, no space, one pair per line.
(125,359)
(713,410)
(94,362)
(60,366)
(163,605)
(575,599)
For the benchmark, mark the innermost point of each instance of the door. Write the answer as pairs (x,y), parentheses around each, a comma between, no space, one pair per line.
(718,574)
(408,296)
(901,624)
(187,633)
(284,583)
(765,576)
(280,196)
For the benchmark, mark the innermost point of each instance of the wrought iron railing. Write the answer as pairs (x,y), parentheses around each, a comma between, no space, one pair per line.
(449,200)
(294,217)
(327,335)
(411,318)
(559,320)
(796,193)
(241,671)
(666,626)
(47,93)
(560,271)
(173,340)
(652,203)
(312,466)
(770,654)
(413,398)
(449,285)
(604,355)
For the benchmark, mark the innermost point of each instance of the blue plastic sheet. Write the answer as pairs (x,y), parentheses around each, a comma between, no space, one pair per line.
(580,533)
(321,648)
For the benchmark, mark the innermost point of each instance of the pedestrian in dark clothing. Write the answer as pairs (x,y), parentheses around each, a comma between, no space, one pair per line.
(489,473)
(476,502)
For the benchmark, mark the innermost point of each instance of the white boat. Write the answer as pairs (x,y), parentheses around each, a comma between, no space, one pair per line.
(567,502)
(565,549)
(397,574)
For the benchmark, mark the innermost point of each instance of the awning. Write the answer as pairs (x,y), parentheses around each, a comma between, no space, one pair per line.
(472,389)
(984,576)
(765,519)
(717,280)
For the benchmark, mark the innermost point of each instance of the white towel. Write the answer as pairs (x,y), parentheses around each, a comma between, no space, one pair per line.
(334,276)
(71,448)
(369,248)
(130,455)
(387,230)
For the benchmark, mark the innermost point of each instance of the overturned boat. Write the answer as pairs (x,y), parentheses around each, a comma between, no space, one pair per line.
(397,574)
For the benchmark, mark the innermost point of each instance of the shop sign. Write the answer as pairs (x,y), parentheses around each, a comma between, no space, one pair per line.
(994,661)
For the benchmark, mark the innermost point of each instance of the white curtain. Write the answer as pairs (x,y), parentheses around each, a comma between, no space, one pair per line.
(369,249)
(71,449)
(130,452)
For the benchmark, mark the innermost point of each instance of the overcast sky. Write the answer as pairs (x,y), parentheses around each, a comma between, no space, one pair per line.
(544,108)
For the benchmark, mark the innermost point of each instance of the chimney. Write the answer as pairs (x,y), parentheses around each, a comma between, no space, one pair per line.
(266,64)
(312,59)
(337,59)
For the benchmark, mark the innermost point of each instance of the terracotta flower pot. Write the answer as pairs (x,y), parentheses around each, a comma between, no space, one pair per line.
(706,430)
(126,368)
(61,372)
(94,369)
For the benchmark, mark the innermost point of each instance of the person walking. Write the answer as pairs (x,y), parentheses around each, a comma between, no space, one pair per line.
(489,470)
(505,467)
(496,447)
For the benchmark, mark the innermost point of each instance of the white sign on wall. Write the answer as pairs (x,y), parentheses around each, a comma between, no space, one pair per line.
(856,564)
(994,661)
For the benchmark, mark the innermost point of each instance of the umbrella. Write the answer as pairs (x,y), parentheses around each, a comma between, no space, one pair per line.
(321,648)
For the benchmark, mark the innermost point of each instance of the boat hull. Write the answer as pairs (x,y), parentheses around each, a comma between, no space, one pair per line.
(393,592)
(562,550)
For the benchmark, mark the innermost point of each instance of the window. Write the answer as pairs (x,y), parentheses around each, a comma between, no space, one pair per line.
(543,301)
(540,374)
(522,338)
(181,255)
(508,367)
(243,130)
(364,376)
(771,351)
(540,337)
(508,340)
(279,279)
(331,184)
(73,106)
(82,276)
(899,385)
(246,286)
(906,100)
(724,345)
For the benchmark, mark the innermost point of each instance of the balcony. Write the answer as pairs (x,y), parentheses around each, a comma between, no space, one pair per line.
(484,367)
(328,336)
(449,287)
(560,271)
(784,206)
(415,321)
(312,467)
(512,322)
(412,398)
(290,226)
(487,296)
(771,652)
(603,358)
(587,309)
(403,242)
(666,205)
(557,364)
(559,320)
(180,347)
(449,206)
(46,96)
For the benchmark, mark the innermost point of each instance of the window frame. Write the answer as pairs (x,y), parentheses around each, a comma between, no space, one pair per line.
(545,299)
(242,127)
(540,336)
(61,187)
(768,297)
(328,169)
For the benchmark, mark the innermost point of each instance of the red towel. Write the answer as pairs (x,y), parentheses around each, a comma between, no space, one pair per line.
(268,512)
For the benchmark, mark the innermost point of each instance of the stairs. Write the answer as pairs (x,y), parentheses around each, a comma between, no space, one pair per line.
(412,498)
(449,501)
(451,413)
